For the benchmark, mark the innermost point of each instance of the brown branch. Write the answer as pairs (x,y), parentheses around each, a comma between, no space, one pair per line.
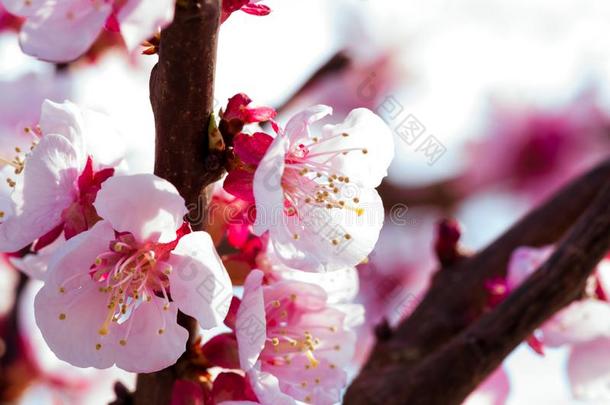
(457,296)
(182,94)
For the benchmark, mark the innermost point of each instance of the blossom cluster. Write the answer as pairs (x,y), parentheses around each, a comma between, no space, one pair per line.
(117,259)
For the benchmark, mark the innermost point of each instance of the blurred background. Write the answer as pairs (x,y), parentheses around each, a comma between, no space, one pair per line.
(493,104)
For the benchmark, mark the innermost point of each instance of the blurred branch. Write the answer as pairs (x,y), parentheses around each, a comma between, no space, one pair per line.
(443,194)
(336,64)
(182,97)
(437,334)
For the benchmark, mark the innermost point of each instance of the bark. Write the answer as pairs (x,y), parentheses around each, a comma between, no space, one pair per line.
(427,347)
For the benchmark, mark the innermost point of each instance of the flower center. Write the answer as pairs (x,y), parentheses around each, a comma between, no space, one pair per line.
(130,275)
(310,181)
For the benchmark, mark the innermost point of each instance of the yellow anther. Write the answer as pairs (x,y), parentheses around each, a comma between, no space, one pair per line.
(62,317)
(123,342)
(275,341)
(98,346)
(161,331)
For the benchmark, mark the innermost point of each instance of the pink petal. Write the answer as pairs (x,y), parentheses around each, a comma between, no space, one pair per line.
(145,205)
(589,370)
(256,9)
(267,388)
(251,148)
(187,392)
(250,326)
(65,30)
(231,387)
(221,351)
(199,283)
(240,184)
(141,19)
(23,8)
(155,340)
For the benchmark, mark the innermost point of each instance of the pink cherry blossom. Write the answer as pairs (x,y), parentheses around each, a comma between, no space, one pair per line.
(61,31)
(315,190)
(112,293)
(292,343)
(72,153)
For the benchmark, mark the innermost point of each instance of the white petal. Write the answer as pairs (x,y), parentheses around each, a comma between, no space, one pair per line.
(298,126)
(365,130)
(267,186)
(589,371)
(251,323)
(146,205)
(330,239)
(64,119)
(199,282)
(102,140)
(580,322)
(48,187)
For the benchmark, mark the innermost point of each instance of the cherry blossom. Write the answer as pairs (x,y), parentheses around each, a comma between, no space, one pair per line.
(292,343)
(63,31)
(315,193)
(56,179)
(112,293)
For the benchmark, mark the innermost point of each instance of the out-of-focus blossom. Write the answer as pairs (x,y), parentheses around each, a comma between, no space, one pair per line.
(56,180)
(537,151)
(106,298)
(589,371)
(247,6)
(63,31)
(292,343)
(315,194)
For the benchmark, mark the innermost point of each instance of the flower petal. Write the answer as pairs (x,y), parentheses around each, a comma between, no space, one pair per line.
(250,326)
(154,341)
(580,322)
(333,238)
(141,19)
(68,305)
(146,205)
(372,140)
(199,282)
(62,31)
(47,188)
(267,389)
(589,371)
(298,126)
(267,186)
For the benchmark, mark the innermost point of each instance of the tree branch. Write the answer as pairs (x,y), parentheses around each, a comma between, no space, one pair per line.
(457,296)
(182,98)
